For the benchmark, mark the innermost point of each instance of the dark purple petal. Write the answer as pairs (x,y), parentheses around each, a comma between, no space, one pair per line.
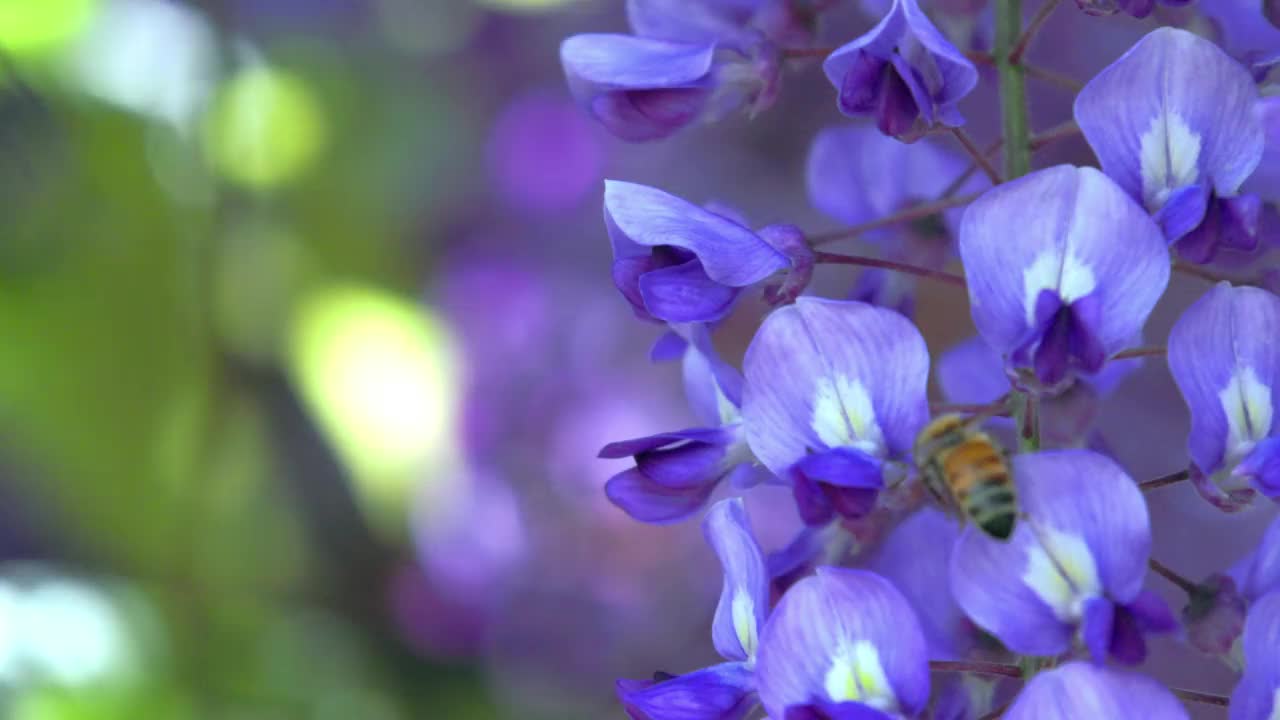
(684,294)
(626,448)
(647,501)
(744,594)
(843,635)
(1231,223)
(1262,467)
(843,467)
(720,692)
(1079,690)
(640,89)
(835,711)
(1096,627)
(730,253)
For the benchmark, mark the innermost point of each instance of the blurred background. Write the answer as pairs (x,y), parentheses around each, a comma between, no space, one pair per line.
(308,342)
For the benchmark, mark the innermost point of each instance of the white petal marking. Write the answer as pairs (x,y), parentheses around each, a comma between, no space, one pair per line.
(1061,571)
(744,622)
(843,415)
(1247,403)
(1066,274)
(856,675)
(1169,156)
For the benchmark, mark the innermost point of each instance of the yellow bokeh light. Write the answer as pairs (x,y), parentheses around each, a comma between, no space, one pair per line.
(380,375)
(265,128)
(36,27)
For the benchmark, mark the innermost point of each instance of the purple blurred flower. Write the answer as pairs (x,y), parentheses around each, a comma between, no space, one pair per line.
(903,73)
(543,154)
(1245,30)
(1077,286)
(835,391)
(843,644)
(1079,690)
(1225,360)
(725,691)
(676,472)
(1073,568)
(646,89)
(677,262)
(1265,181)
(914,557)
(1172,121)
(1257,697)
(1214,615)
(784,22)
(1136,8)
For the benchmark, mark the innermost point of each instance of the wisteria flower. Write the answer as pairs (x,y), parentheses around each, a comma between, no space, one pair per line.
(676,472)
(676,262)
(1172,121)
(646,89)
(1225,360)
(1079,690)
(1257,697)
(843,645)
(1063,269)
(903,73)
(725,691)
(1265,181)
(1074,567)
(835,392)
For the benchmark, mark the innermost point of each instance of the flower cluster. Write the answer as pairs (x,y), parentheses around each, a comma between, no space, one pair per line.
(899,598)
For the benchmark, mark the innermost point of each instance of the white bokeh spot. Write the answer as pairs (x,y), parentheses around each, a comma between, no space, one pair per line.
(844,417)
(1170,154)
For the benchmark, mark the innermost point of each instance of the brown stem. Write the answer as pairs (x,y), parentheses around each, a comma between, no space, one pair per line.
(1172,576)
(1033,28)
(864,261)
(796,53)
(978,667)
(979,157)
(956,184)
(1052,77)
(995,714)
(1054,134)
(1201,697)
(1203,273)
(915,212)
(1143,351)
(1170,479)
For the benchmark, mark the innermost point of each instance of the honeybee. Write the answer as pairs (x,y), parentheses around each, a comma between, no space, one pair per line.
(966,472)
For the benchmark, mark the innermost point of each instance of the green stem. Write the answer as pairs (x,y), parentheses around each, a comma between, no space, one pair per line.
(1013,90)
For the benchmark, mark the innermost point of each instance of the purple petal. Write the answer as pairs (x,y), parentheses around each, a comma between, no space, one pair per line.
(848,179)
(689,22)
(1262,467)
(720,692)
(1259,574)
(627,448)
(641,89)
(647,501)
(827,373)
(684,294)
(913,557)
(927,71)
(882,288)
(669,345)
(843,467)
(1232,223)
(843,635)
(1265,181)
(1184,210)
(1069,221)
(835,711)
(972,372)
(799,557)
(1172,110)
(712,386)
(1081,690)
(744,595)
(1096,626)
(1097,531)
(730,253)
(1225,361)
(1255,698)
